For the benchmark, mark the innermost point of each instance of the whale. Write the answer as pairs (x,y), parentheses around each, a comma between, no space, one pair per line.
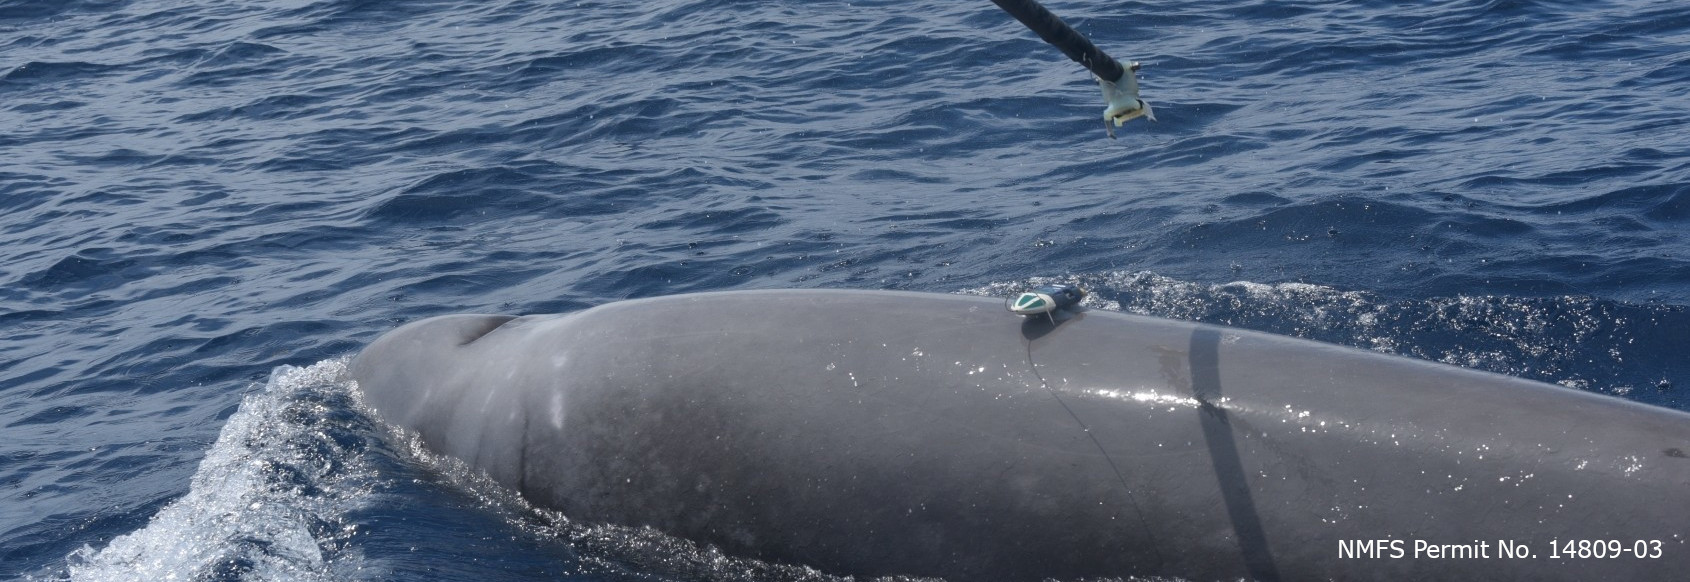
(879,433)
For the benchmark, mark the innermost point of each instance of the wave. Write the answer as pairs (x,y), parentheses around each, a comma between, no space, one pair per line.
(271,499)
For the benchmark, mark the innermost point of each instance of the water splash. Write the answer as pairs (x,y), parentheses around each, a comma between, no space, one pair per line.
(270,500)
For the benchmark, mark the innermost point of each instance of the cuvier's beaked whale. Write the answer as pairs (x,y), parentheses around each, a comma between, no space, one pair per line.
(872,433)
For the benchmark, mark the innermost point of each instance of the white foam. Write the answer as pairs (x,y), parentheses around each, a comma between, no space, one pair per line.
(268,502)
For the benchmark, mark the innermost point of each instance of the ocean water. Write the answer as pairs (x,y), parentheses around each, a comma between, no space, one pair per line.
(206,206)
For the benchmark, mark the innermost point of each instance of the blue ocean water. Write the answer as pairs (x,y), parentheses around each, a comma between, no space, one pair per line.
(195,193)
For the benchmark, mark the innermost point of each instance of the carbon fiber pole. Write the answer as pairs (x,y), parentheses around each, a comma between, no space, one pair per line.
(1056,32)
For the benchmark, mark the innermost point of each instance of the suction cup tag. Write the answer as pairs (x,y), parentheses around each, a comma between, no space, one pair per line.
(1123,102)
(1046,299)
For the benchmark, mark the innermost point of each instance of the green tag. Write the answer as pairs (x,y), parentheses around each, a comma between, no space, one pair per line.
(1028,301)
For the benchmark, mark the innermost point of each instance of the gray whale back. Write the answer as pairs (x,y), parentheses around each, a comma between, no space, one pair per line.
(876,433)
